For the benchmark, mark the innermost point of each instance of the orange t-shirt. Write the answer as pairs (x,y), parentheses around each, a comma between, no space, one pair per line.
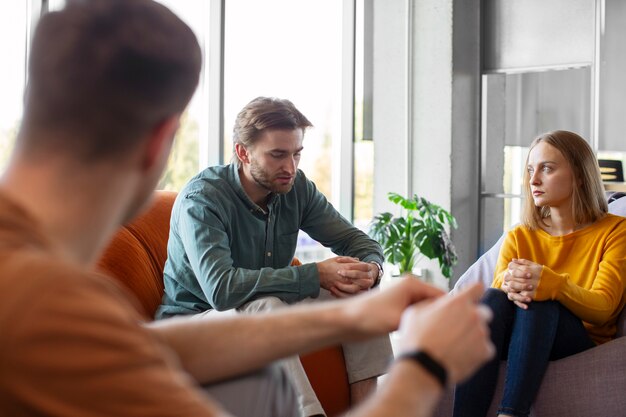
(71,341)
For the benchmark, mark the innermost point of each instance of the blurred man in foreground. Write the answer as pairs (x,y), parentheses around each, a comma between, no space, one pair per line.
(108,81)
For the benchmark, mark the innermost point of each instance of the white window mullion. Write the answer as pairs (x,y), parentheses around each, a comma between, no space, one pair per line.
(212,128)
(343,146)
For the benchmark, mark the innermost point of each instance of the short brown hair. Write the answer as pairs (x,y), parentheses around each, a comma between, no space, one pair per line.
(264,113)
(103,73)
(588,196)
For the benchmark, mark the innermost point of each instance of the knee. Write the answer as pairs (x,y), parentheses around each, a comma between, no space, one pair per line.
(265,304)
(495,298)
(544,307)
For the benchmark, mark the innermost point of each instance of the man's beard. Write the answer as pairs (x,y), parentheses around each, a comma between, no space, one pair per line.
(262,178)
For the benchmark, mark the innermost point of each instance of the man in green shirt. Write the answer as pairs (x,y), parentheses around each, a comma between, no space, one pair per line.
(107,83)
(234,232)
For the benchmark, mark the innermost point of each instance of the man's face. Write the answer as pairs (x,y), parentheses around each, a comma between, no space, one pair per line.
(274,159)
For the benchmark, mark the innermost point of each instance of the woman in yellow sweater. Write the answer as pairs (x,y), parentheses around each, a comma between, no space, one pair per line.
(560,278)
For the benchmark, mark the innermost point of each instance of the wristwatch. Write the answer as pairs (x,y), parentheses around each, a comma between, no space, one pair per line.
(380,274)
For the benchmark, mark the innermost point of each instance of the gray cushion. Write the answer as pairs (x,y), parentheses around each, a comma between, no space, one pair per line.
(589,384)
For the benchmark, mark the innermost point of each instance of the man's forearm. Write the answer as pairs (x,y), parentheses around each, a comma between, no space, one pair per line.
(214,348)
(285,283)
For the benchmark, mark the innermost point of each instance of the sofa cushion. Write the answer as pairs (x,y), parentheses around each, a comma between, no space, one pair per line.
(588,384)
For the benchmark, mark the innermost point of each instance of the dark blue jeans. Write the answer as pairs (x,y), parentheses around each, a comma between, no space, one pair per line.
(528,340)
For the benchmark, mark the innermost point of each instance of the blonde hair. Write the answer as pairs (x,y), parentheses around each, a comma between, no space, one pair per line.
(588,196)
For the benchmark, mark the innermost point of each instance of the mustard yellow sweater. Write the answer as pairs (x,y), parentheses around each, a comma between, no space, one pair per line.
(585,270)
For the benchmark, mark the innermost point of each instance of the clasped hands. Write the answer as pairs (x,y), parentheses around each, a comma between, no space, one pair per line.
(345,276)
(520,281)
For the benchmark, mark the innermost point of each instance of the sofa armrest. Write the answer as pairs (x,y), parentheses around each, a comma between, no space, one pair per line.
(483,269)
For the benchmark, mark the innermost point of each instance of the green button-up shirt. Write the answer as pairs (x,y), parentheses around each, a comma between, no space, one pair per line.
(224,250)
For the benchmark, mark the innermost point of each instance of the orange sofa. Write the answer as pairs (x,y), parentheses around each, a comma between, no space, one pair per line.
(136,257)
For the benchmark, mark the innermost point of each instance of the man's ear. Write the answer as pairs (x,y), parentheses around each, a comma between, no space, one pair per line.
(242,153)
(159,142)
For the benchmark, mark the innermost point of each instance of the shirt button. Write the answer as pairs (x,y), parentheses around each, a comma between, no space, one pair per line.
(269,253)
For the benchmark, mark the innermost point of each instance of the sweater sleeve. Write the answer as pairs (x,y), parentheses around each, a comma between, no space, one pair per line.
(508,251)
(596,304)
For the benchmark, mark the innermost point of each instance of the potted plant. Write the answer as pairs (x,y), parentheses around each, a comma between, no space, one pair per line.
(420,231)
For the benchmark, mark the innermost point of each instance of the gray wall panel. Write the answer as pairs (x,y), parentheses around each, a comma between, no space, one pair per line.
(523,34)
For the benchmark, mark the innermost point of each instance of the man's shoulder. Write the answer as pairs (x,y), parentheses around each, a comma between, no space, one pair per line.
(31,279)
(210,186)
(62,324)
(38,263)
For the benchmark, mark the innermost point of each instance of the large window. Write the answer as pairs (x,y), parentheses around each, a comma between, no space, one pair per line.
(184,159)
(289,49)
(13,20)
(302,50)
(363,143)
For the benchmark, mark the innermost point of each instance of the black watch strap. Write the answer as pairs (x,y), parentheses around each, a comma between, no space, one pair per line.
(428,363)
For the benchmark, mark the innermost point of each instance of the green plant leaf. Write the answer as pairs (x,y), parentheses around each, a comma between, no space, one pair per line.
(419,231)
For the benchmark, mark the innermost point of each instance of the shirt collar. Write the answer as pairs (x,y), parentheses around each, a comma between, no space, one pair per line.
(234,173)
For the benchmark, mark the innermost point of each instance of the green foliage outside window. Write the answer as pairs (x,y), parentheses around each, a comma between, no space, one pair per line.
(183,163)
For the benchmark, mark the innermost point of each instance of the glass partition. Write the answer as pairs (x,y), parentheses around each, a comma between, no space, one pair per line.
(515,109)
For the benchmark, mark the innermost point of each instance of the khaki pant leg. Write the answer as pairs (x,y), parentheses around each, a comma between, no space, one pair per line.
(266,393)
(309,404)
(367,359)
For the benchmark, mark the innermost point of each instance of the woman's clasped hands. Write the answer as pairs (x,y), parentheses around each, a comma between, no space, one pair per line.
(520,281)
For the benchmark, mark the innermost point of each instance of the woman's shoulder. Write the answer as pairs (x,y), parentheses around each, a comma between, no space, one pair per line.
(609,226)
(519,234)
(521,229)
(611,221)
(614,223)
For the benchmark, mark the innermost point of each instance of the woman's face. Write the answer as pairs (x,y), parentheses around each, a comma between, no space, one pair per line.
(551,177)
